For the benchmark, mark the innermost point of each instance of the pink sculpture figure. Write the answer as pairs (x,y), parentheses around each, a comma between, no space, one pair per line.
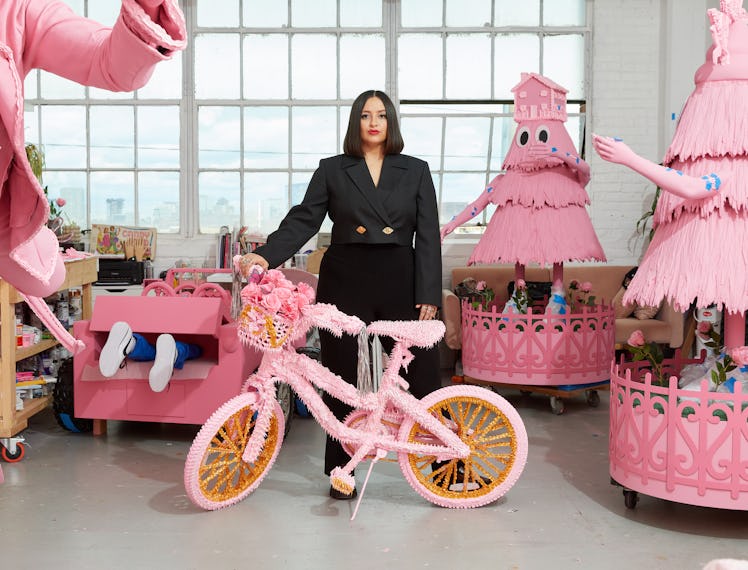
(540,215)
(461,446)
(698,251)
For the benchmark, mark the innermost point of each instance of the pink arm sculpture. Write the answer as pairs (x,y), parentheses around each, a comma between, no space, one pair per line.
(472,209)
(673,181)
(574,162)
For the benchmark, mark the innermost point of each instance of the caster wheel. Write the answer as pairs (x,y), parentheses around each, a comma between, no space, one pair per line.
(593,399)
(557,405)
(630,498)
(13,457)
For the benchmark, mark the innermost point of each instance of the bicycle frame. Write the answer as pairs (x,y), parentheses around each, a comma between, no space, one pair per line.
(303,374)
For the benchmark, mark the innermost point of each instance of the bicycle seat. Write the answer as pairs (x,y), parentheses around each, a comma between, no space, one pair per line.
(410,333)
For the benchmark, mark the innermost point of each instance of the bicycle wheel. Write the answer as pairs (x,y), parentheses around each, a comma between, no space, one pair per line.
(214,474)
(498,448)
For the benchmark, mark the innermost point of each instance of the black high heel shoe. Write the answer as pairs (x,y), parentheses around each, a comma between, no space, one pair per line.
(340,496)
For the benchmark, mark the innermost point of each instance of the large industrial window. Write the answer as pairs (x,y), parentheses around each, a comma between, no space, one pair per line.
(230,131)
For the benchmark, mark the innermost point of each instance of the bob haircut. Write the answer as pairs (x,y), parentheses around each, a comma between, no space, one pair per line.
(352,142)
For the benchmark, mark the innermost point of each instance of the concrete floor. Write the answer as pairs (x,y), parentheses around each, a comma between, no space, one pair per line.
(118,501)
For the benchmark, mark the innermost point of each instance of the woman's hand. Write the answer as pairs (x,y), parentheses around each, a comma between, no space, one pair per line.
(428,312)
(246,262)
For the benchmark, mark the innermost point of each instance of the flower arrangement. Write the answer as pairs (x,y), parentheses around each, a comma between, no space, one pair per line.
(520,300)
(579,295)
(727,360)
(477,292)
(640,349)
(271,307)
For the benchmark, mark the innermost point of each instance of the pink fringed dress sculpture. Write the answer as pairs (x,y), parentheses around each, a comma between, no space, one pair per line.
(666,441)
(540,215)
(541,218)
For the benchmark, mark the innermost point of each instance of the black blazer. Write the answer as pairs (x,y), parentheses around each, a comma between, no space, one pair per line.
(401,210)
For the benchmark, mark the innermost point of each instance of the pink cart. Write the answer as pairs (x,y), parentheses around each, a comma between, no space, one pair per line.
(683,446)
(558,355)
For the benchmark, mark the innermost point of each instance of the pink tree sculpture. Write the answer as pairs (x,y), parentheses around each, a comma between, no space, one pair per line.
(698,251)
(540,215)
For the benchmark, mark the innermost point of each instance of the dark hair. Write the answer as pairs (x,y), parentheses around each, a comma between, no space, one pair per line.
(352,142)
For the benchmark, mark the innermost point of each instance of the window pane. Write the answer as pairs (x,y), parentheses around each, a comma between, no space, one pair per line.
(103,11)
(264,14)
(76,5)
(218,194)
(468,12)
(314,135)
(64,136)
(469,66)
(421,13)
(72,187)
(30,85)
(112,137)
(217,66)
(504,129)
(513,13)
(466,143)
(219,136)
(419,68)
(423,139)
(112,198)
(96,93)
(575,127)
(265,200)
(313,66)
(158,201)
(515,53)
(320,13)
(212,14)
(158,137)
(362,61)
(266,66)
(564,13)
(166,81)
(361,13)
(458,191)
(345,116)
(56,87)
(563,57)
(266,137)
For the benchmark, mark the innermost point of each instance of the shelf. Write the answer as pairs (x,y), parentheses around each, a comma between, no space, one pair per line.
(79,273)
(41,346)
(21,418)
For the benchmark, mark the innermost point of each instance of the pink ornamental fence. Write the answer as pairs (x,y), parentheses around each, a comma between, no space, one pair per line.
(684,446)
(538,349)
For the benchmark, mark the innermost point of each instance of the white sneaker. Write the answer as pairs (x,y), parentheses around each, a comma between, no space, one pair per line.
(118,345)
(163,365)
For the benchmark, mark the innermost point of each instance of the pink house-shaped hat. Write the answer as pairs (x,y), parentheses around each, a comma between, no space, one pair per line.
(537,97)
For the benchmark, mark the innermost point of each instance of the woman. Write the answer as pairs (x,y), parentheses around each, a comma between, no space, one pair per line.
(384,261)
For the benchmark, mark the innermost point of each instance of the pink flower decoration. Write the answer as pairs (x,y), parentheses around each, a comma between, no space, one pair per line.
(586,287)
(740,355)
(521,284)
(480,286)
(704,327)
(60,202)
(636,338)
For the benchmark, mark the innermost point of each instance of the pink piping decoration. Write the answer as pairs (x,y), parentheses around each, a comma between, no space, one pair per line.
(42,311)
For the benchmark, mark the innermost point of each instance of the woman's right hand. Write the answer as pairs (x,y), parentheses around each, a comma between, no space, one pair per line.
(248,260)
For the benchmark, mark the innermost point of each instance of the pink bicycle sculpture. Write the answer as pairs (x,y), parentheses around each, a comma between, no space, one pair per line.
(459,447)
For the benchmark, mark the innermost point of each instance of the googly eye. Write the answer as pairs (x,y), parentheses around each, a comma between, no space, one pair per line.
(542,134)
(523,136)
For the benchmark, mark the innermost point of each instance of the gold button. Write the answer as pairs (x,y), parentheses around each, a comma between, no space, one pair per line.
(387,230)
(361,229)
